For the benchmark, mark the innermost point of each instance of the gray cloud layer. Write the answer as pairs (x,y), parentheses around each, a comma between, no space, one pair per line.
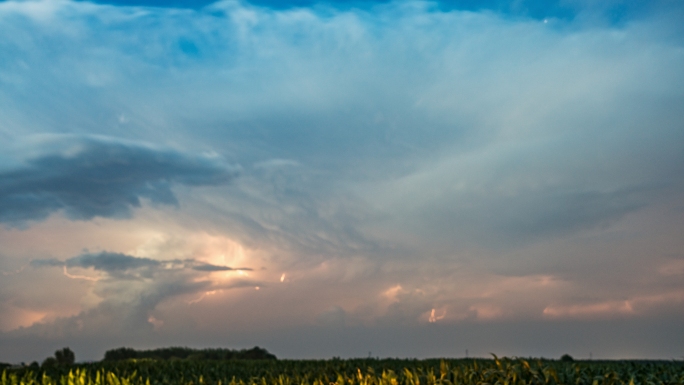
(116,262)
(88,176)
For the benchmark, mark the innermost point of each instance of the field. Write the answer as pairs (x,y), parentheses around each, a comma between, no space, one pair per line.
(351,372)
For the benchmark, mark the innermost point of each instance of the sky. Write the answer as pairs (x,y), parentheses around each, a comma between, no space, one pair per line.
(342,179)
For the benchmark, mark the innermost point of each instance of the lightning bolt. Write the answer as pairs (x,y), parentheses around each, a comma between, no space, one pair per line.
(434,318)
(201,297)
(85,277)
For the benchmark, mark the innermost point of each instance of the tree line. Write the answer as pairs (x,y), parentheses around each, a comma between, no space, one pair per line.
(182,353)
(66,357)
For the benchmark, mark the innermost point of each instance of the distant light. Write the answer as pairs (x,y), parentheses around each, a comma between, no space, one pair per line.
(257,288)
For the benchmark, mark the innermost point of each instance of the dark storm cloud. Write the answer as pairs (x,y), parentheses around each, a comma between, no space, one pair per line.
(110,262)
(89,176)
(207,267)
(116,262)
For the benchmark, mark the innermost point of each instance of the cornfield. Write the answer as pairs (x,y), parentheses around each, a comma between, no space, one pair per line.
(353,372)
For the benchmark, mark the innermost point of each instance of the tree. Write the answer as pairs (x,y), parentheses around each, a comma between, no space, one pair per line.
(567,358)
(49,362)
(65,357)
(120,354)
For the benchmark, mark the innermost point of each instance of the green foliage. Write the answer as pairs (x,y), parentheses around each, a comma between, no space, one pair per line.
(497,371)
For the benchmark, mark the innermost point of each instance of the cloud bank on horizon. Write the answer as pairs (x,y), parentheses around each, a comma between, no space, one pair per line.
(320,178)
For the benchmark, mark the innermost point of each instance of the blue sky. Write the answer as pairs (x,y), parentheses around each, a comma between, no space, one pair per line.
(613,11)
(329,179)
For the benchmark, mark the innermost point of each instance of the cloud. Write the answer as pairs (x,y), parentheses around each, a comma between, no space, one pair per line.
(52,262)
(127,292)
(113,263)
(89,176)
(486,166)
(614,11)
(207,267)
(110,262)
(333,317)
